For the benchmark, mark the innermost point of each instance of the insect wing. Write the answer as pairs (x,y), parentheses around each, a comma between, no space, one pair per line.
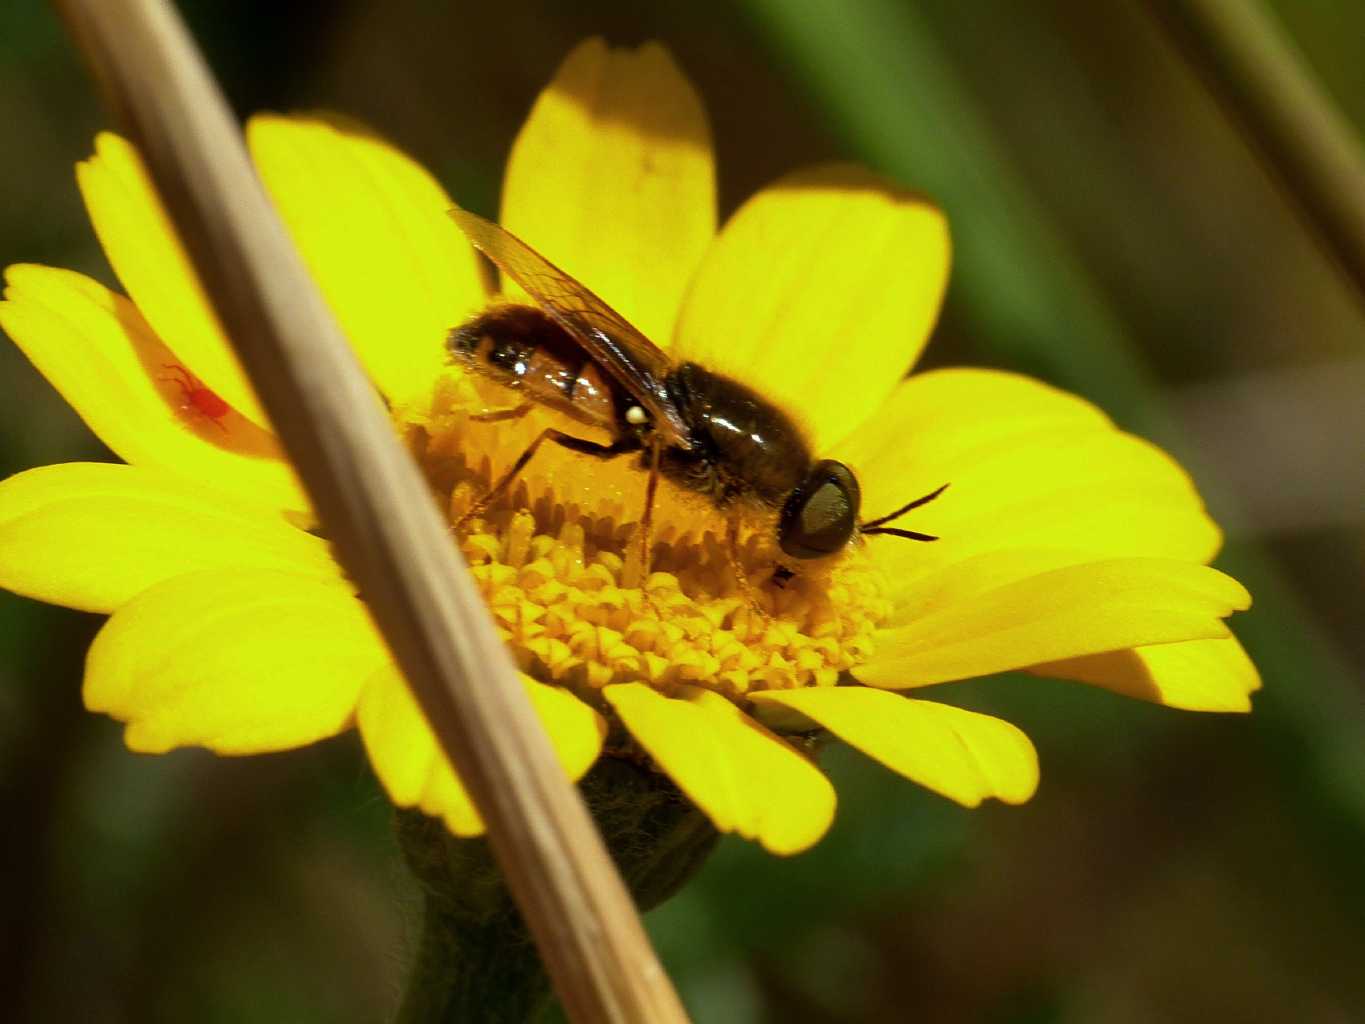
(633,360)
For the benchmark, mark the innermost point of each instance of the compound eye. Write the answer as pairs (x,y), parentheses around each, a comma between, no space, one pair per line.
(821,515)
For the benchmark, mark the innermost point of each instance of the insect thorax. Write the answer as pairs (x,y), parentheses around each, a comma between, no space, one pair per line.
(745,447)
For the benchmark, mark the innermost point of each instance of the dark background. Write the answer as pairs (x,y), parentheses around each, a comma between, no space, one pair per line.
(1114,235)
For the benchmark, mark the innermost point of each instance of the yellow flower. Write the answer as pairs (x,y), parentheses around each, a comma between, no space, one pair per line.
(1068,549)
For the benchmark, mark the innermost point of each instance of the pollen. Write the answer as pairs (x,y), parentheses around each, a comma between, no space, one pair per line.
(562,569)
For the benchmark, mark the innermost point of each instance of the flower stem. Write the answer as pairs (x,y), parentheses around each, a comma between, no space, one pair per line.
(466,970)
(476,960)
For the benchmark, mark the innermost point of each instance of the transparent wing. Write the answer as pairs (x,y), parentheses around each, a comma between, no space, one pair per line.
(634,361)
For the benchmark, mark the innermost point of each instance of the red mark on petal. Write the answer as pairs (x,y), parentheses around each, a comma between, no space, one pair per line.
(197,399)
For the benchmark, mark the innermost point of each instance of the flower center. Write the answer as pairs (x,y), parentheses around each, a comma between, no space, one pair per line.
(559,560)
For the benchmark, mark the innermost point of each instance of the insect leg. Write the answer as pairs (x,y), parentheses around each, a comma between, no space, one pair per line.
(215,421)
(574,444)
(646,520)
(498,415)
(741,578)
(179,375)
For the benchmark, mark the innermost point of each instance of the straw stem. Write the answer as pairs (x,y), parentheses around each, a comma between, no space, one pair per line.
(376,510)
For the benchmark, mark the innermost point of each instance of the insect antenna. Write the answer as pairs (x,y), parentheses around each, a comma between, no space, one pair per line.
(907,534)
(877,525)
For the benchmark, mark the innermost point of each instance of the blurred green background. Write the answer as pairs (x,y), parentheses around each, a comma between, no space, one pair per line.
(1114,235)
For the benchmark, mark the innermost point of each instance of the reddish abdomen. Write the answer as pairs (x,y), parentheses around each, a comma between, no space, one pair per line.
(520,347)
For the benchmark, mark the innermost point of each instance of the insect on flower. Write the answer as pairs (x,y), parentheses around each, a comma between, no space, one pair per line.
(196,399)
(705,432)
(234,628)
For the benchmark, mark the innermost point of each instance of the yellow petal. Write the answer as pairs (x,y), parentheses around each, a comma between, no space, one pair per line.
(94,347)
(148,258)
(977,627)
(743,777)
(403,752)
(240,662)
(971,578)
(989,402)
(934,421)
(415,773)
(820,293)
(374,229)
(960,754)
(95,535)
(1197,675)
(1027,466)
(613,179)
